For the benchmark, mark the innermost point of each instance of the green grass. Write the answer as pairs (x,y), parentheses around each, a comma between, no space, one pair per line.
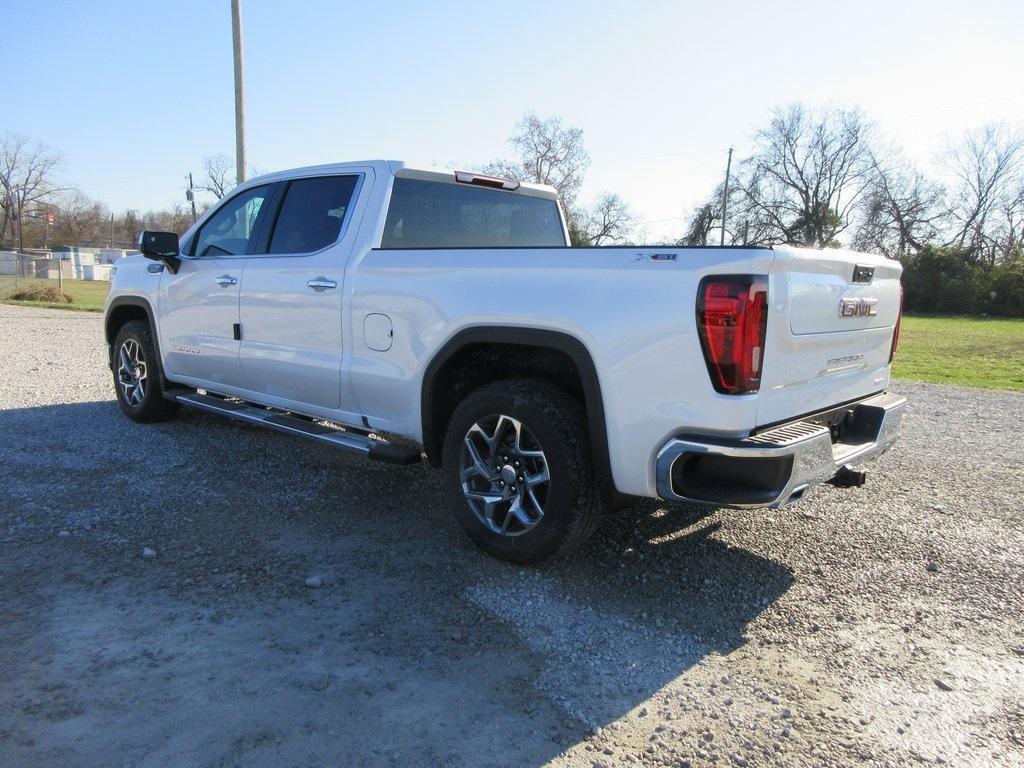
(89,295)
(969,351)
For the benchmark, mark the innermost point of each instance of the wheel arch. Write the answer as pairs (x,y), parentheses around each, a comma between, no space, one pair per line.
(528,338)
(121,310)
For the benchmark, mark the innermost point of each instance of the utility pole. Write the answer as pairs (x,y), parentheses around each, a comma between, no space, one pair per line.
(191,196)
(236,39)
(15,198)
(110,240)
(725,194)
(21,223)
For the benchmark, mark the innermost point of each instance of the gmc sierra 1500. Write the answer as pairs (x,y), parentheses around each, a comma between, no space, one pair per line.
(402,313)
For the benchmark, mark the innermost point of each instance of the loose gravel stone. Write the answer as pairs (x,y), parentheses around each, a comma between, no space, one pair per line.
(713,621)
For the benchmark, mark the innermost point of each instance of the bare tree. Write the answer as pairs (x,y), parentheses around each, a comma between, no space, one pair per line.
(609,220)
(705,219)
(220,175)
(547,152)
(176,219)
(986,192)
(80,220)
(1011,223)
(903,210)
(804,183)
(27,171)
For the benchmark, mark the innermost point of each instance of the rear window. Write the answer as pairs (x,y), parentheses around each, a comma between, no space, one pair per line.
(312,213)
(431,214)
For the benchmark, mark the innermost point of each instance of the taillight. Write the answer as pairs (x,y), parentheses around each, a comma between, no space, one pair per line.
(732,316)
(896,330)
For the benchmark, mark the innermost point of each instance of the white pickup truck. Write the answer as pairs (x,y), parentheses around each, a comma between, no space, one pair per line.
(403,314)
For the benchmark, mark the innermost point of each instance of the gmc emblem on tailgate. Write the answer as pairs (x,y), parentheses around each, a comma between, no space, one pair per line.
(858,307)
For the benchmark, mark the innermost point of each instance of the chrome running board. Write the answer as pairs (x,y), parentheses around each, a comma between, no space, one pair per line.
(302,426)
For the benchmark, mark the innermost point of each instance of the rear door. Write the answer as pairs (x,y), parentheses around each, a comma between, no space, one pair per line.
(830,327)
(290,302)
(198,305)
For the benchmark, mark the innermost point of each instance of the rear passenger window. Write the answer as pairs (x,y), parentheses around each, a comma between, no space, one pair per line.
(432,214)
(312,214)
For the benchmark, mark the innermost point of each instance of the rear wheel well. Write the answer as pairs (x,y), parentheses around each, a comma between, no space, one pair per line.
(475,365)
(480,356)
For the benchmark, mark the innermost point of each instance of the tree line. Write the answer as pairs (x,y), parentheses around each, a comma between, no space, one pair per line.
(825,178)
(812,177)
(54,215)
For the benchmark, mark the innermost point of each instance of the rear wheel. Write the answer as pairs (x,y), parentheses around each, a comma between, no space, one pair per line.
(136,370)
(518,471)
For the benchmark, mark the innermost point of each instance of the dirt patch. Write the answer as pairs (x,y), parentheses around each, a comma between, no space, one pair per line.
(50,294)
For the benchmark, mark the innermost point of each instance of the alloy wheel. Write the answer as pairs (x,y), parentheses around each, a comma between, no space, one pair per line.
(504,475)
(131,372)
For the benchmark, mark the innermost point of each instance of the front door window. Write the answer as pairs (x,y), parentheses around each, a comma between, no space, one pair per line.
(230,229)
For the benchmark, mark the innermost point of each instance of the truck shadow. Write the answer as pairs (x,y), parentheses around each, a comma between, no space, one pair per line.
(421,649)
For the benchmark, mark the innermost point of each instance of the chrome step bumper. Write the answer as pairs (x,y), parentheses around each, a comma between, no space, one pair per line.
(775,467)
(301,426)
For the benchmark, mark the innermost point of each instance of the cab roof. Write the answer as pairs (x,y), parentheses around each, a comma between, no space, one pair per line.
(402,169)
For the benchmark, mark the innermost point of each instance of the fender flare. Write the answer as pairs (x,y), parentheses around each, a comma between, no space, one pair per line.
(559,341)
(139,302)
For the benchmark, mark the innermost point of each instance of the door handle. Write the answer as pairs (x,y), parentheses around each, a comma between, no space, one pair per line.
(321,284)
(226,280)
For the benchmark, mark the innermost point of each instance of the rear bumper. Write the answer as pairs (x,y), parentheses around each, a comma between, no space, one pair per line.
(776,467)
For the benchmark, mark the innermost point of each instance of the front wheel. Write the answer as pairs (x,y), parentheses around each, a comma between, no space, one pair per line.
(518,471)
(136,369)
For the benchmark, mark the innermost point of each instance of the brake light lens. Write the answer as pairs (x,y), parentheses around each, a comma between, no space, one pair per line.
(732,317)
(462,177)
(896,330)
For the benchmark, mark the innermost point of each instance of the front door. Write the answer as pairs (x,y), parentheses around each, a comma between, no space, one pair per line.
(290,303)
(199,305)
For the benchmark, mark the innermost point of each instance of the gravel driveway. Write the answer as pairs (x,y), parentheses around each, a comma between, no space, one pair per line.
(880,626)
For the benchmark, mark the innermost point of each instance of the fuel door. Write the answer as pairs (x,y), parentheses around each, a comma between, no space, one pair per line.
(378,332)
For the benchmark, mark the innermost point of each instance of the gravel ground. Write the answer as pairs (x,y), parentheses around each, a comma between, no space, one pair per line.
(878,626)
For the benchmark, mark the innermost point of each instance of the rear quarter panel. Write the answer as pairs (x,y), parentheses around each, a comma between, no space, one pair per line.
(635,316)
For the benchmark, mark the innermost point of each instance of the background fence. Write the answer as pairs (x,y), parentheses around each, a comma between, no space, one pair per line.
(77,278)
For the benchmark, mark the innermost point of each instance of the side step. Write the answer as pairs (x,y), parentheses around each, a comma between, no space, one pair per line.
(301,426)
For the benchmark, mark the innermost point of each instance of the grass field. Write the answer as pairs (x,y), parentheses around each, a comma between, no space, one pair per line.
(969,351)
(85,294)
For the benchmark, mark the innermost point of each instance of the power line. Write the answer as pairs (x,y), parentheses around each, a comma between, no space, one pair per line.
(952,109)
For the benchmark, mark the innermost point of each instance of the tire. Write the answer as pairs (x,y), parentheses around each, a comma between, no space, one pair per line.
(551,424)
(137,379)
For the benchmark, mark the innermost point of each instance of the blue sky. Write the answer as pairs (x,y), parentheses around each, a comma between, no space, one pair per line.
(135,94)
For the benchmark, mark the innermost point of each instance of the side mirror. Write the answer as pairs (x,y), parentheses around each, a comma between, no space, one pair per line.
(160,246)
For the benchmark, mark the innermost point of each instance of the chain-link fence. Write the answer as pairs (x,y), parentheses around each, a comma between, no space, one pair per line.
(72,278)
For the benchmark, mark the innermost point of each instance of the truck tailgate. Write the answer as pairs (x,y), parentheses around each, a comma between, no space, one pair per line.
(829,331)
